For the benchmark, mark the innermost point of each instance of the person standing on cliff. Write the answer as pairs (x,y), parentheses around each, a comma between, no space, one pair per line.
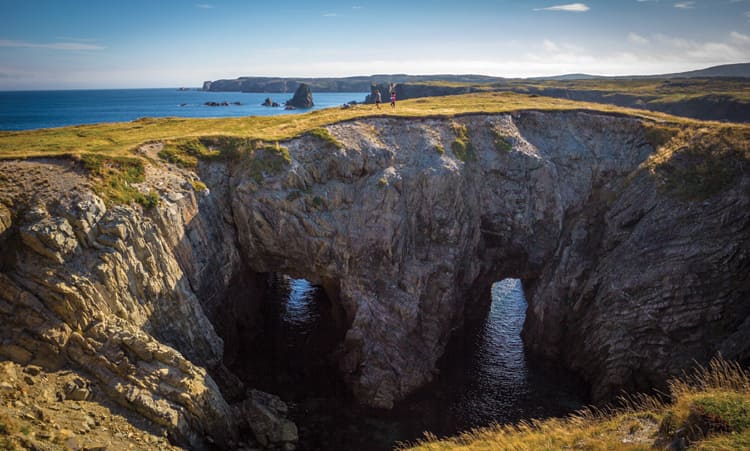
(377,98)
(393,99)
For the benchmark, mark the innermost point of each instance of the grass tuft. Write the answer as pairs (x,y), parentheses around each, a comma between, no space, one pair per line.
(699,163)
(502,142)
(658,135)
(326,136)
(267,160)
(114,176)
(198,186)
(461,145)
(709,409)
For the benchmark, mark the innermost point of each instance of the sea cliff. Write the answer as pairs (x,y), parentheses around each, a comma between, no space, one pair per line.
(632,239)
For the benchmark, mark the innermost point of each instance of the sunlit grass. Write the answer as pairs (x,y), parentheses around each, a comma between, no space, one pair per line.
(697,162)
(694,159)
(120,139)
(707,409)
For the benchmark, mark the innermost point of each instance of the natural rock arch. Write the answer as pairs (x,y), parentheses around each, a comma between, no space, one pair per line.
(407,223)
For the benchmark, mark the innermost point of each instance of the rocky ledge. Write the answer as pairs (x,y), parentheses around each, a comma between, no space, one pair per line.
(630,275)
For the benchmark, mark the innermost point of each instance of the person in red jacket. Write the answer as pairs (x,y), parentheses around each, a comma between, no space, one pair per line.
(393,99)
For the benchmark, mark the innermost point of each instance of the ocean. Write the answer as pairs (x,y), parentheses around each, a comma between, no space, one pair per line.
(24,110)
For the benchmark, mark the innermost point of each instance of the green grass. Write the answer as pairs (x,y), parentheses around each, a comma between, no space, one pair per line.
(700,162)
(722,411)
(108,151)
(185,153)
(658,135)
(114,178)
(121,139)
(502,143)
(708,408)
(198,186)
(266,160)
(440,149)
(325,136)
(654,90)
(461,145)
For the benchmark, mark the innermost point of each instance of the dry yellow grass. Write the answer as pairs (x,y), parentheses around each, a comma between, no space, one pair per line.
(119,139)
(709,409)
(109,149)
(699,161)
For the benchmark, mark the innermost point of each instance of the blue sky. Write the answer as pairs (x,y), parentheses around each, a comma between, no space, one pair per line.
(106,44)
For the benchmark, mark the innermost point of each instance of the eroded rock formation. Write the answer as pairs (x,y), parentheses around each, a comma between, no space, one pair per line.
(406,223)
(302,98)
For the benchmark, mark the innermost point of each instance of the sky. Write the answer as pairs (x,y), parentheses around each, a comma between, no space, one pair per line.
(137,44)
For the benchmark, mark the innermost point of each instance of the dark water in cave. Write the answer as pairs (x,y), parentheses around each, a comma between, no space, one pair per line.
(487,378)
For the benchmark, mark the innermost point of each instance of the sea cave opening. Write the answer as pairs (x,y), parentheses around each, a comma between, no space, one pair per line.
(291,350)
(484,377)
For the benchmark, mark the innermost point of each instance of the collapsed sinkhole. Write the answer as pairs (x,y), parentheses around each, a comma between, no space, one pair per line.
(484,376)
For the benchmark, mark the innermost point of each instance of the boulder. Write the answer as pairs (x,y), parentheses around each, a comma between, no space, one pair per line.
(266,415)
(303,97)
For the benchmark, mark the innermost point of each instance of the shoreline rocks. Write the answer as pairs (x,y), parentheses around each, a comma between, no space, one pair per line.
(302,98)
(270,103)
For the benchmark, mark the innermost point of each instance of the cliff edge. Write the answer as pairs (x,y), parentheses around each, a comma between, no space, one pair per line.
(632,239)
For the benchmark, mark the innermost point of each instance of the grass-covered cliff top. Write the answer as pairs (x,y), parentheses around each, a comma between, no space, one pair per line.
(694,159)
(663,90)
(120,139)
(706,410)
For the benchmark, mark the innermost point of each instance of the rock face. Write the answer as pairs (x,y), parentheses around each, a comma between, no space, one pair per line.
(302,98)
(269,102)
(408,237)
(406,223)
(104,290)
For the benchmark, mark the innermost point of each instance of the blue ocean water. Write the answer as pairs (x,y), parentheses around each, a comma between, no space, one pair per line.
(23,110)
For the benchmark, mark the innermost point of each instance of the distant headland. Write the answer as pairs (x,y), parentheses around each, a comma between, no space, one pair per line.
(363,83)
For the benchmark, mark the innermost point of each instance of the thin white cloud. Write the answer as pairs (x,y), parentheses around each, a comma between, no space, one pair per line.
(708,52)
(357,7)
(739,37)
(204,6)
(550,46)
(570,7)
(635,38)
(50,45)
(70,38)
(684,5)
(331,15)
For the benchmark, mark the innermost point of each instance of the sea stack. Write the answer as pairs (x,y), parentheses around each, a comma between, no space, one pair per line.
(302,97)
